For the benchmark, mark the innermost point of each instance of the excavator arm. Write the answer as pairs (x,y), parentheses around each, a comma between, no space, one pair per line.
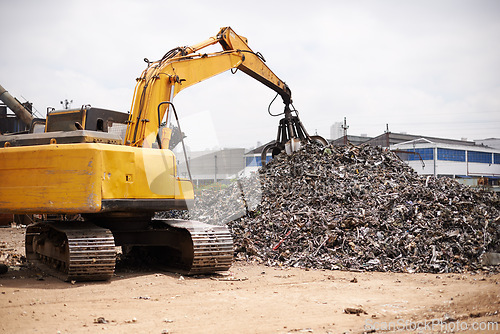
(291,132)
(254,64)
(185,66)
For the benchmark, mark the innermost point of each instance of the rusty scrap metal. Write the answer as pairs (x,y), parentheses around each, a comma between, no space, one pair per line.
(360,208)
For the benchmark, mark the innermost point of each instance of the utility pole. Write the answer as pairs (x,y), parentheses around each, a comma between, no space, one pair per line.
(345,127)
(387,133)
(215,161)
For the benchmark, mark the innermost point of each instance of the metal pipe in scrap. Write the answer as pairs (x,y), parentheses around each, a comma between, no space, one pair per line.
(18,109)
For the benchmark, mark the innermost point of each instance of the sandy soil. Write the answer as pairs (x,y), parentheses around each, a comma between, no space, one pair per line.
(250,298)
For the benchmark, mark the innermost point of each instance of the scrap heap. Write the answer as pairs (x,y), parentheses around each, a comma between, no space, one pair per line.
(362,208)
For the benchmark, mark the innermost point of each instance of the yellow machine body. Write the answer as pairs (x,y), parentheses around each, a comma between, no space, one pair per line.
(117,169)
(79,166)
(89,178)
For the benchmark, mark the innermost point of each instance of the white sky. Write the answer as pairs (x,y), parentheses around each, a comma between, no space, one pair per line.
(423,67)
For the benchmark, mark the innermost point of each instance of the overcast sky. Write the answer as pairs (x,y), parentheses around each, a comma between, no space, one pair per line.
(423,67)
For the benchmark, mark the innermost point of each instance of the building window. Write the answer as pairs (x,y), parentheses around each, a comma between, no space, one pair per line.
(425,153)
(497,158)
(255,161)
(251,161)
(482,157)
(451,155)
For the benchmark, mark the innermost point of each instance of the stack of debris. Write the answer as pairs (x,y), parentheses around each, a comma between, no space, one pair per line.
(9,256)
(359,208)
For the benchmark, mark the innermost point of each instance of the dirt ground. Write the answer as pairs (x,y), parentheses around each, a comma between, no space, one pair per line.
(250,298)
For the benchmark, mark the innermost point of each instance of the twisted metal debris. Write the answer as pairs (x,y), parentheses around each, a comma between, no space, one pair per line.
(359,208)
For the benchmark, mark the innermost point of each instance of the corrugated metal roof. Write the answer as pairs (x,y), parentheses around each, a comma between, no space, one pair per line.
(390,138)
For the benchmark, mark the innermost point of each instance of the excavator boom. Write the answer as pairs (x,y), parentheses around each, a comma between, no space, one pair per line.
(183,67)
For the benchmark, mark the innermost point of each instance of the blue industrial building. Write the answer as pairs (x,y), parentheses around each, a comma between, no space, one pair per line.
(470,162)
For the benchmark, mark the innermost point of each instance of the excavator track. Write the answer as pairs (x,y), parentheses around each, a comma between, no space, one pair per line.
(183,246)
(211,247)
(83,251)
(71,251)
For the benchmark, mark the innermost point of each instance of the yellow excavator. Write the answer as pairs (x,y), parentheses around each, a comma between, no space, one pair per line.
(102,174)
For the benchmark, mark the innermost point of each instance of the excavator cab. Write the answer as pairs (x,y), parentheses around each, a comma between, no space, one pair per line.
(85,118)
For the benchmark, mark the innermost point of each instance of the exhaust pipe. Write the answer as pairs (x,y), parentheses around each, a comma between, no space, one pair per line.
(24,115)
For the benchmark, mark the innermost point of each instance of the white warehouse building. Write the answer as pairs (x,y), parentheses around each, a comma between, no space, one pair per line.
(467,162)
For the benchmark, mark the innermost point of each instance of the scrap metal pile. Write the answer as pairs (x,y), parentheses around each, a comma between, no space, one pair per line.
(360,208)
